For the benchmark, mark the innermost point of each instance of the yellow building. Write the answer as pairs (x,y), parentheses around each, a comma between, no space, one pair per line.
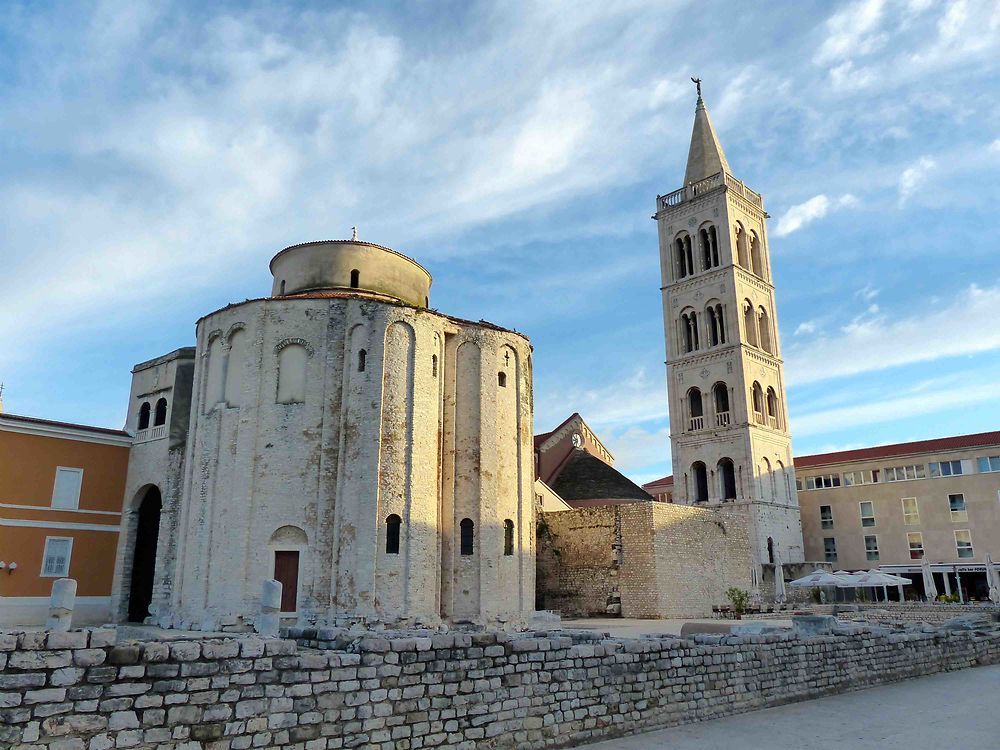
(897,506)
(61,490)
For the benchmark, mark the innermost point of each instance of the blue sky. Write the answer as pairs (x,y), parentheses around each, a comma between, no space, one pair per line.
(154,156)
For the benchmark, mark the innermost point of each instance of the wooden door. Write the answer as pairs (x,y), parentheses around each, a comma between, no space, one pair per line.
(286,570)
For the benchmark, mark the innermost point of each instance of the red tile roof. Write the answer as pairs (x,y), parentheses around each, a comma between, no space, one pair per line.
(71,425)
(936,445)
(661,483)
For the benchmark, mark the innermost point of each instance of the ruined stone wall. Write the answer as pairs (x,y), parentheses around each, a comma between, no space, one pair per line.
(385,410)
(577,568)
(77,691)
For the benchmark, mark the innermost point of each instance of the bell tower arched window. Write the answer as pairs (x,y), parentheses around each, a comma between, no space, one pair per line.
(684,255)
(756,258)
(689,331)
(716,324)
(772,409)
(764,326)
(160,416)
(709,247)
(696,411)
(727,479)
(144,416)
(741,246)
(757,401)
(700,475)
(720,394)
(749,322)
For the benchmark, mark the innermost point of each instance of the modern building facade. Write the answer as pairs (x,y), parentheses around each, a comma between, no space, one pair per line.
(897,506)
(725,378)
(372,454)
(61,488)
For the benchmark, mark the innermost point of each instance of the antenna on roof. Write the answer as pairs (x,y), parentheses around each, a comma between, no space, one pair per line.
(1,398)
(354,234)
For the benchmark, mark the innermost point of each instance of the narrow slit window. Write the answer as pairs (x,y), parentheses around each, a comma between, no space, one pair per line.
(467,536)
(362,360)
(282,290)
(355,278)
(392,526)
(502,379)
(508,537)
(434,365)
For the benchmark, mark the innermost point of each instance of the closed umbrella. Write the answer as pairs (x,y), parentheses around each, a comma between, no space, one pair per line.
(991,580)
(755,596)
(779,581)
(930,590)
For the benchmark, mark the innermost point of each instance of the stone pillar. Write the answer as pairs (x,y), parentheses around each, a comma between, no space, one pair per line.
(270,608)
(61,604)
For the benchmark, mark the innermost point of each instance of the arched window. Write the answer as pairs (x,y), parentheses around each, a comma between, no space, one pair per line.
(235,362)
(757,399)
(292,374)
(749,323)
(362,360)
(144,415)
(716,324)
(392,525)
(772,408)
(727,479)
(709,247)
(689,331)
(684,255)
(355,278)
(696,413)
(783,484)
(770,550)
(160,416)
(720,394)
(770,477)
(434,365)
(764,325)
(700,482)
(467,534)
(281,291)
(755,256)
(508,537)
(215,380)
(502,379)
(741,246)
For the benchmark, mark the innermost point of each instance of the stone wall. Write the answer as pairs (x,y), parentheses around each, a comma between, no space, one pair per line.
(78,691)
(661,559)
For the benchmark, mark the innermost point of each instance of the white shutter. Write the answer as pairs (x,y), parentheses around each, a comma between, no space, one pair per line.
(66,493)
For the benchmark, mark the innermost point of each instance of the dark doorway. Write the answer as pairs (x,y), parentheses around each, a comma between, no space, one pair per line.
(144,558)
(286,571)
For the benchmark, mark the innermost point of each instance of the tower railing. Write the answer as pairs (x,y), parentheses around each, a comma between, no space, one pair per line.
(713,182)
(697,423)
(722,419)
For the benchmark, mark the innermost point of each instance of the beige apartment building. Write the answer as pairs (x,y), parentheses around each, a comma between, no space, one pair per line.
(895,506)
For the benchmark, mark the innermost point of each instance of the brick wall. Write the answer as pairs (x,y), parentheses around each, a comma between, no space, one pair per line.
(76,691)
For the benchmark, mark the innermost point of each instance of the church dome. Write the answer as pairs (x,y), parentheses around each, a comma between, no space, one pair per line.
(349,265)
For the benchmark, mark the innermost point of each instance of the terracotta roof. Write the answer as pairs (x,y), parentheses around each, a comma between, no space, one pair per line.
(586,477)
(662,482)
(539,439)
(936,445)
(70,425)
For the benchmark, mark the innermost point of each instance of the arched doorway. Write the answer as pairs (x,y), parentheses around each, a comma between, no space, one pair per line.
(144,557)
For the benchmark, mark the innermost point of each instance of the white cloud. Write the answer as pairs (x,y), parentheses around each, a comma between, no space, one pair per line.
(815,208)
(636,448)
(867,293)
(852,31)
(913,177)
(877,342)
(995,146)
(805,328)
(633,399)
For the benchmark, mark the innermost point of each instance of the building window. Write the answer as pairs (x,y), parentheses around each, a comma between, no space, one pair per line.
(502,379)
(700,482)
(826,516)
(144,415)
(749,323)
(721,394)
(467,534)
(66,491)
(362,360)
(772,408)
(861,477)
(689,331)
(946,468)
(899,473)
(963,544)
(871,548)
(867,513)
(684,254)
(392,525)
(764,326)
(355,278)
(988,464)
(508,537)
(434,365)
(911,513)
(160,415)
(830,549)
(709,247)
(696,413)
(823,482)
(716,324)
(915,541)
(55,560)
(281,290)
(757,399)
(727,478)
(292,374)
(956,504)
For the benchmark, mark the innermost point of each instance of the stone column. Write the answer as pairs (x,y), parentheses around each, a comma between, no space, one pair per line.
(270,608)
(61,604)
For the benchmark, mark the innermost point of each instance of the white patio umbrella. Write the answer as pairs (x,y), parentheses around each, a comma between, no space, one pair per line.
(876,577)
(779,581)
(930,590)
(991,580)
(817,579)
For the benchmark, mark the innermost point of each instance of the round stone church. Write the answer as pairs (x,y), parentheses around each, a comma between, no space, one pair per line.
(370,453)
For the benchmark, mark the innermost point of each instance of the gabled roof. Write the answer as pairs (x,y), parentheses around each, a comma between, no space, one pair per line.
(586,477)
(540,439)
(658,484)
(936,445)
(705,155)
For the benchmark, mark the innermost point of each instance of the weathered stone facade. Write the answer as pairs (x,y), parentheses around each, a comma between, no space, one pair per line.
(343,435)
(79,691)
(657,559)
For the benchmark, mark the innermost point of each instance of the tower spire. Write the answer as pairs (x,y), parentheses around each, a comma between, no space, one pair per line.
(705,156)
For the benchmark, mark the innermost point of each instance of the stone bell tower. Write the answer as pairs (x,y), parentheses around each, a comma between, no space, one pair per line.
(725,378)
